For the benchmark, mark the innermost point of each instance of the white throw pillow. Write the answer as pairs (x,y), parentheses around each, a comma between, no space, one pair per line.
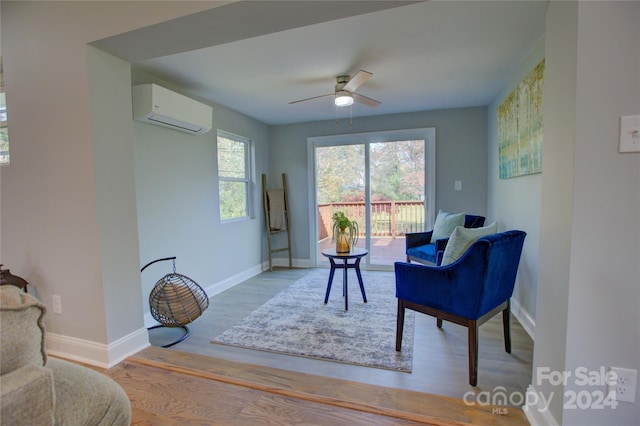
(445,224)
(462,238)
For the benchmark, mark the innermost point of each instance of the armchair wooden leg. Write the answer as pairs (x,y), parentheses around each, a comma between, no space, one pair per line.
(506,324)
(439,322)
(473,353)
(399,325)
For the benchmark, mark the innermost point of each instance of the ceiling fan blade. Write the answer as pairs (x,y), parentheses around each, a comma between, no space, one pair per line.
(357,81)
(308,99)
(365,100)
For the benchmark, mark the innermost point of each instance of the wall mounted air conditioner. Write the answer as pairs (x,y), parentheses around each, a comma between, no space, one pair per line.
(154,104)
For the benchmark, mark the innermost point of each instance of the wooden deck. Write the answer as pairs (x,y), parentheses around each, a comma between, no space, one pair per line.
(384,250)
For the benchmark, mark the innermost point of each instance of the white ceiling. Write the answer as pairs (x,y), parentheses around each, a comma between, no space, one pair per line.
(257,58)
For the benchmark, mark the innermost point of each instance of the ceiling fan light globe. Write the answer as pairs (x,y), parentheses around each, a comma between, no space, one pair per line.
(343,99)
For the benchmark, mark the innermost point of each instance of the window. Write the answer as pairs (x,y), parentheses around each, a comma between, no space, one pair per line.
(234,176)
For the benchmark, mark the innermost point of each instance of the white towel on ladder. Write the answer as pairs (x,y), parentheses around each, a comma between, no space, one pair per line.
(276,210)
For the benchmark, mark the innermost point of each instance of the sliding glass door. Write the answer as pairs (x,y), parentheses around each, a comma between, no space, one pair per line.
(340,186)
(397,202)
(383,181)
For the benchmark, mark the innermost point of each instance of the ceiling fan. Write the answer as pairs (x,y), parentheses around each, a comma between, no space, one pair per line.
(345,91)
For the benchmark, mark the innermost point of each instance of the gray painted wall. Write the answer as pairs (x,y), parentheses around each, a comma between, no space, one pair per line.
(461,152)
(606,196)
(110,84)
(59,227)
(556,204)
(589,274)
(515,203)
(588,296)
(177,200)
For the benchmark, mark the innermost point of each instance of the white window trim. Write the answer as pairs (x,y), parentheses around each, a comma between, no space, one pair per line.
(249,153)
(427,134)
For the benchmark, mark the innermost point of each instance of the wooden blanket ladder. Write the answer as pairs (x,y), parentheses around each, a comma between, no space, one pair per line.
(276,215)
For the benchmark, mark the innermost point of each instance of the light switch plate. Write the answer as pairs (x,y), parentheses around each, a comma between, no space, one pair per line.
(630,133)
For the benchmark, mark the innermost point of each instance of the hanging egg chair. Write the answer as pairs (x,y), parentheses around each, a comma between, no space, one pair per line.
(175,301)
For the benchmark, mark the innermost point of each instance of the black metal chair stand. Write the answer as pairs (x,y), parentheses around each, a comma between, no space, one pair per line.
(175,301)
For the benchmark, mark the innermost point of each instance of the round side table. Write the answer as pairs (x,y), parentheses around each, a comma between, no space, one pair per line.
(355,253)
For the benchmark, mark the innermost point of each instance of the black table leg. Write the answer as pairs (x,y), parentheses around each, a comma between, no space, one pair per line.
(345,291)
(333,270)
(357,267)
(345,265)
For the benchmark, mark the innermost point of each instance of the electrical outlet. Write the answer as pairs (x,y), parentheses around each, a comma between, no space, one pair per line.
(56,304)
(629,134)
(624,383)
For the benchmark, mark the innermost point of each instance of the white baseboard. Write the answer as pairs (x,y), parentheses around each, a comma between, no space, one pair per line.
(538,414)
(94,353)
(106,356)
(217,288)
(524,318)
(226,284)
(284,263)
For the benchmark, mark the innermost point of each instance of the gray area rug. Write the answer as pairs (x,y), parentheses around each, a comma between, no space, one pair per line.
(297,322)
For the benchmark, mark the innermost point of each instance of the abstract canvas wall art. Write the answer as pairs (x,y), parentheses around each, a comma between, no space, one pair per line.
(520,127)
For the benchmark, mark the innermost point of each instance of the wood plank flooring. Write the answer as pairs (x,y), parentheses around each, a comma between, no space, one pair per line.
(440,356)
(172,387)
(440,363)
(161,397)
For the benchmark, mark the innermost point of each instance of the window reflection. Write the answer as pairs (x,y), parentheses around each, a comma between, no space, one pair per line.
(4,129)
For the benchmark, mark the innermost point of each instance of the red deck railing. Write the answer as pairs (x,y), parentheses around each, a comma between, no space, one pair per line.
(388,218)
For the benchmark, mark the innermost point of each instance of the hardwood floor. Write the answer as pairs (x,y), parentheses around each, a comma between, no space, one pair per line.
(169,387)
(440,356)
(161,397)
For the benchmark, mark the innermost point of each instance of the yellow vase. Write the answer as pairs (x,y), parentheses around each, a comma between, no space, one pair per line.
(342,242)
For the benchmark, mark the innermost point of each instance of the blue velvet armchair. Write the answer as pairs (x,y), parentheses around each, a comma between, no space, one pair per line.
(469,291)
(420,248)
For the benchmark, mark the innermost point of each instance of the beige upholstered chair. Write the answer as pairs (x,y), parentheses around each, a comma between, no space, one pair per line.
(36,390)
